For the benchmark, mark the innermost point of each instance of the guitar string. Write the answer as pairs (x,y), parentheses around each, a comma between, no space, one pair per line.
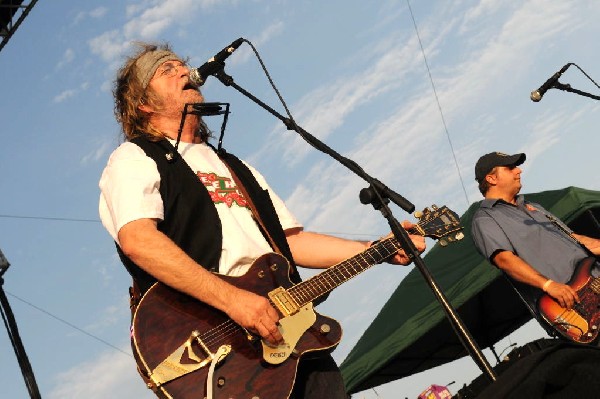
(333,277)
(312,289)
(347,265)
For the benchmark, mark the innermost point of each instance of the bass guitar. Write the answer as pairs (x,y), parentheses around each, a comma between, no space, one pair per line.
(581,323)
(186,349)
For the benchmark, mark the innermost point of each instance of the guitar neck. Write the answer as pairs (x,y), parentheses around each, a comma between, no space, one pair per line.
(311,289)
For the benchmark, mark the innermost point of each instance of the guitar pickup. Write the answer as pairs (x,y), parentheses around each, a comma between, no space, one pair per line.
(283,301)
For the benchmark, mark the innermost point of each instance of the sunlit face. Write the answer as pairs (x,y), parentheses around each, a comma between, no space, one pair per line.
(507,179)
(171,85)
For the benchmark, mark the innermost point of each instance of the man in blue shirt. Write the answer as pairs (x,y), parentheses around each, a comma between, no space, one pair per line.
(523,239)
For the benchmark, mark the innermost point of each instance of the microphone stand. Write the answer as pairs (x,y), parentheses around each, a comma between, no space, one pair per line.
(13,333)
(378,194)
(567,87)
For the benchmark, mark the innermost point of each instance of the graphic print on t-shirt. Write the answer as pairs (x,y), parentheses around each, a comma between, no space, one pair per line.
(222,190)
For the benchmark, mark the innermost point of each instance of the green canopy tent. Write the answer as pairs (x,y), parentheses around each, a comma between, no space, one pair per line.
(411,333)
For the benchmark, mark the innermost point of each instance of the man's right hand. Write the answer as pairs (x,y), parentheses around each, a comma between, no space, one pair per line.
(256,314)
(563,294)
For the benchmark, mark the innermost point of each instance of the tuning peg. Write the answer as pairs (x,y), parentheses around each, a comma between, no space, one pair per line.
(443,243)
(418,214)
(435,207)
(459,235)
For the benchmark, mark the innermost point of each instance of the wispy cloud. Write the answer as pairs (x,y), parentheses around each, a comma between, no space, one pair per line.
(96,13)
(148,21)
(99,152)
(98,379)
(69,93)
(68,57)
(64,95)
(271,31)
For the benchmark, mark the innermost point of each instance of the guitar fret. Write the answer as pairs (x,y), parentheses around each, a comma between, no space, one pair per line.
(595,285)
(320,284)
(333,277)
(300,297)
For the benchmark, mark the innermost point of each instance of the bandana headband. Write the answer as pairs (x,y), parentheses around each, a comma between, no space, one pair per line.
(148,63)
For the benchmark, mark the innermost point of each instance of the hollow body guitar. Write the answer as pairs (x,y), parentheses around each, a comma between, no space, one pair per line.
(186,349)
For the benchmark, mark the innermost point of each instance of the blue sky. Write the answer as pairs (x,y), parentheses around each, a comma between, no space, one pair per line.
(352,73)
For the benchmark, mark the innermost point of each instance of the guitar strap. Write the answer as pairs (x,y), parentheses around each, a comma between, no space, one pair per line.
(264,213)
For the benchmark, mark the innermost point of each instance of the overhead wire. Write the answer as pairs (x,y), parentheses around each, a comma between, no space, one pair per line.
(81,330)
(438,103)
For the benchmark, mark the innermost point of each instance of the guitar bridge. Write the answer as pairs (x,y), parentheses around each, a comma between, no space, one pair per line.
(173,367)
(283,301)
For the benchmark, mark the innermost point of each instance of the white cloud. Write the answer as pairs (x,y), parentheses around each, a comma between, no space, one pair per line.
(98,12)
(68,57)
(98,153)
(155,19)
(271,31)
(111,375)
(148,20)
(64,95)
(108,46)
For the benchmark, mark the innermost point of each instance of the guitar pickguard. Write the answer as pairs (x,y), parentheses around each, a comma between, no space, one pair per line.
(291,328)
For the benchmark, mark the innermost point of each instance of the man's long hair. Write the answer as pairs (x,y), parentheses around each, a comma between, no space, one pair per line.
(129,93)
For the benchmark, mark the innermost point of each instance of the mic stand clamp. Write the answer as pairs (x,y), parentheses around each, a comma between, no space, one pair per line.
(567,87)
(383,194)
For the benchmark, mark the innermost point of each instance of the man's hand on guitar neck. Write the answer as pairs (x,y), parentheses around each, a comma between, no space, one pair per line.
(418,241)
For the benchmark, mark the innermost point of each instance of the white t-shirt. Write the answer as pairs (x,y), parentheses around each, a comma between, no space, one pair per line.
(130,191)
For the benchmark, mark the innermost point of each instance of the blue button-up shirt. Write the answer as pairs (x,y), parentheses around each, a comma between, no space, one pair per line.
(526,230)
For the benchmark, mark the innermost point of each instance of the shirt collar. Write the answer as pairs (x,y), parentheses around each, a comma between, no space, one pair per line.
(491,202)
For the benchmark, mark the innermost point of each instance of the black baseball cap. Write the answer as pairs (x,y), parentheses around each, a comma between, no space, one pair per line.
(489,161)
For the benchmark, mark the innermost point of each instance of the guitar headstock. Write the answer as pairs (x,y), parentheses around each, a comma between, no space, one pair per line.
(439,223)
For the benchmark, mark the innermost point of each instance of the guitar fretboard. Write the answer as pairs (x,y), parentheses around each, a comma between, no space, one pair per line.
(311,289)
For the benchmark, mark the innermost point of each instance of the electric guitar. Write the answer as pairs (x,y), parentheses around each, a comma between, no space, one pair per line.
(186,349)
(581,323)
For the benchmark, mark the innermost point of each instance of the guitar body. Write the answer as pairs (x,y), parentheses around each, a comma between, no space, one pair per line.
(165,319)
(580,324)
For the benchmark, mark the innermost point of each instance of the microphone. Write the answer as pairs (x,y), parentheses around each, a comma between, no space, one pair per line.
(537,95)
(199,75)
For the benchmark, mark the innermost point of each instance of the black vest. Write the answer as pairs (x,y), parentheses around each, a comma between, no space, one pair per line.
(190,217)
